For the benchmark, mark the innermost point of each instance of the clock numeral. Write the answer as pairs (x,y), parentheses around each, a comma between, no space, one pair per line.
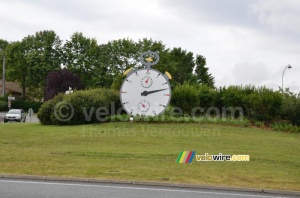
(154,112)
(128,80)
(148,71)
(167,94)
(158,75)
(162,105)
(136,74)
(125,103)
(123,91)
(165,83)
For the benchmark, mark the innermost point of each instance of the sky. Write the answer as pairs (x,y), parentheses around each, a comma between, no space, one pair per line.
(244,41)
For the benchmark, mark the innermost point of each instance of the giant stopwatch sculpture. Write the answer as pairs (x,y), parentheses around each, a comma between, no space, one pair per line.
(146,91)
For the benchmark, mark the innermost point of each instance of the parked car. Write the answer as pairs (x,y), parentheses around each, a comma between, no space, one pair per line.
(17,115)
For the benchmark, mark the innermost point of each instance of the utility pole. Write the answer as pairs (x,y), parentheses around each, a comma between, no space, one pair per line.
(3,77)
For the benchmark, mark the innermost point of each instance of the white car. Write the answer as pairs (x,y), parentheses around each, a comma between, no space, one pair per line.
(17,115)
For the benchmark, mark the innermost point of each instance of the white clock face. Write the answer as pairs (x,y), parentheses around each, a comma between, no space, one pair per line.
(145,92)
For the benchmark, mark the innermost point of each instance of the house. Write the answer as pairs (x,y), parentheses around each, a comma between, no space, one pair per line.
(13,88)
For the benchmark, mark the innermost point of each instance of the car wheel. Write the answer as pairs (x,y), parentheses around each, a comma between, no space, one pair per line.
(5,121)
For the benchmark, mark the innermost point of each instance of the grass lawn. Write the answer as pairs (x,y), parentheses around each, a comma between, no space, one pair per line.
(148,152)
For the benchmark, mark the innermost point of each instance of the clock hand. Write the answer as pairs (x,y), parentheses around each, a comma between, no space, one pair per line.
(145,93)
(147,80)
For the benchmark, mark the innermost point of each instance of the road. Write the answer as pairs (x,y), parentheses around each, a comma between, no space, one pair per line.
(12,188)
(33,118)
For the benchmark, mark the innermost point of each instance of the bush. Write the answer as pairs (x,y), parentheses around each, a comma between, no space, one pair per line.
(47,109)
(232,96)
(285,127)
(291,108)
(3,105)
(263,105)
(26,105)
(118,80)
(259,124)
(186,97)
(207,96)
(81,107)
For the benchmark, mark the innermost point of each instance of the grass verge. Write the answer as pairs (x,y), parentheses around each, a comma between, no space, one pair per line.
(148,152)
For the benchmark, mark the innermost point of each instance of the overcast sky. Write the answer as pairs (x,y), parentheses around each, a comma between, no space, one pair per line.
(244,41)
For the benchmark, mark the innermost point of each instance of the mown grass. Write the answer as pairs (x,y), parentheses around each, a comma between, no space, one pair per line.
(148,152)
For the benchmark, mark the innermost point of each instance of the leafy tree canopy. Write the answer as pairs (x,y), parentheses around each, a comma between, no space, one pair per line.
(30,60)
(59,81)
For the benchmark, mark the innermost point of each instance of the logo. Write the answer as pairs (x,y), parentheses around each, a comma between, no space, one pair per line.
(185,157)
(221,158)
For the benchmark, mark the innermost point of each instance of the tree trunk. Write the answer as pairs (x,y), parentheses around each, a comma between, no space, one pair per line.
(23,92)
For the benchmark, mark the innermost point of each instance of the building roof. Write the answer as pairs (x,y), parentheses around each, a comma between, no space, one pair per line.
(11,87)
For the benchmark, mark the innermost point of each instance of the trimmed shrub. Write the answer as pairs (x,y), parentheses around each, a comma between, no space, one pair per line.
(291,109)
(232,96)
(3,105)
(186,97)
(47,109)
(207,96)
(81,107)
(264,105)
(26,105)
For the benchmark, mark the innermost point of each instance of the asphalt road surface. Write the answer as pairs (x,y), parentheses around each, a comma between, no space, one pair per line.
(12,188)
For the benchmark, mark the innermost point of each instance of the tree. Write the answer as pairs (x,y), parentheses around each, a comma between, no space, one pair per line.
(158,47)
(82,56)
(60,81)
(43,54)
(181,64)
(30,60)
(17,69)
(120,55)
(201,72)
(3,45)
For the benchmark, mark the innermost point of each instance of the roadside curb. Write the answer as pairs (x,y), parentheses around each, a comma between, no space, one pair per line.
(145,183)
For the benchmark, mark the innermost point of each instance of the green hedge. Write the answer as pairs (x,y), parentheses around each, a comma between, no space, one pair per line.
(47,109)
(291,108)
(186,97)
(259,104)
(81,107)
(19,104)
(26,105)
(264,105)
(3,105)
